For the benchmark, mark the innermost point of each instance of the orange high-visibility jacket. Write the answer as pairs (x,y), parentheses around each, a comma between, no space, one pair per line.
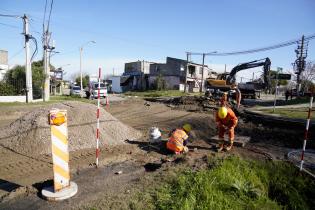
(176,141)
(230,120)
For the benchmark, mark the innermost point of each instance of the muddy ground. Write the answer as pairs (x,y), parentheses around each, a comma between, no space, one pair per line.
(22,176)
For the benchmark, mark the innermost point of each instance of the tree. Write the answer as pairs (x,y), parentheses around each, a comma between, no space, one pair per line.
(307,77)
(273,82)
(85,80)
(16,78)
(160,82)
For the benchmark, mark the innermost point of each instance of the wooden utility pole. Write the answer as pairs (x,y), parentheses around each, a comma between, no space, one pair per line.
(28,65)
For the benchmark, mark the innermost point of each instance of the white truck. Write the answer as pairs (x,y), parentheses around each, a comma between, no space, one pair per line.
(92,90)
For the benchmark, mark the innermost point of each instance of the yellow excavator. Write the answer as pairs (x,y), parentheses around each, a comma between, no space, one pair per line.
(224,82)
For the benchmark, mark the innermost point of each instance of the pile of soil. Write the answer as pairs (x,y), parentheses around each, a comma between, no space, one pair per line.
(30,134)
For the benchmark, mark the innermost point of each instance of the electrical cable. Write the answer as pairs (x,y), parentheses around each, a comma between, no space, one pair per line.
(44,14)
(272,47)
(8,25)
(16,54)
(14,16)
(51,5)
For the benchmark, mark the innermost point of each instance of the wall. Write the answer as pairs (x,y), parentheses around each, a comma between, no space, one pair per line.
(171,82)
(3,63)
(138,66)
(116,84)
(12,99)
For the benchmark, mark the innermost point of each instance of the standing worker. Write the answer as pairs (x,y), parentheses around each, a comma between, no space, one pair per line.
(226,121)
(179,139)
(238,95)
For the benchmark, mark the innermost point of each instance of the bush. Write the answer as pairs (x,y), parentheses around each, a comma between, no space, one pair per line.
(6,89)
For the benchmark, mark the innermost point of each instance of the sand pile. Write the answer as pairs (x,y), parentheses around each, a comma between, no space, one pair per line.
(30,134)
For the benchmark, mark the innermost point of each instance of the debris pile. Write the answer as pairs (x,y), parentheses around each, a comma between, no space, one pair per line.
(30,134)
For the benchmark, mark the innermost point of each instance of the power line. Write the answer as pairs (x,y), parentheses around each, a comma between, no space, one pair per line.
(14,16)
(8,25)
(16,54)
(44,14)
(51,5)
(272,47)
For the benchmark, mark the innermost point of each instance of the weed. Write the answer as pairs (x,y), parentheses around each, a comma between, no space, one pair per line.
(234,183)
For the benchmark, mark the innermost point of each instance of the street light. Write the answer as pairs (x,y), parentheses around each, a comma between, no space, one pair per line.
(81,49)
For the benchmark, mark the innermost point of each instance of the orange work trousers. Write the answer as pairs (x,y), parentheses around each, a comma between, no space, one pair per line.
(222,130)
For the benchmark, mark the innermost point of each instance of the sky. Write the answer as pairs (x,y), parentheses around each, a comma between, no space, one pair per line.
(131,30)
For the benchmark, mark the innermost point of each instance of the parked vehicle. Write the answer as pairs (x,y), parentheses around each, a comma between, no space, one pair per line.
(93,90)
(75,90)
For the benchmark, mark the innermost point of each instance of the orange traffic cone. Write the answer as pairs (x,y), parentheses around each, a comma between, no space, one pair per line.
(107,101)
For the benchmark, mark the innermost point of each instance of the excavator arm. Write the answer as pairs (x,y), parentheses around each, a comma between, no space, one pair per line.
(266,63)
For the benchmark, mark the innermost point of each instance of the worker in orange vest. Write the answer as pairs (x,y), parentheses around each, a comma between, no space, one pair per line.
(179,139)
(226,121)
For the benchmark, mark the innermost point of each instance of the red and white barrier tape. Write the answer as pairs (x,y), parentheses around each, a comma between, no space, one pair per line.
(98,117)
(306,131)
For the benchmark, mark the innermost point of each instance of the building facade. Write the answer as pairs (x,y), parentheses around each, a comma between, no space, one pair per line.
(143,75)
(4,67)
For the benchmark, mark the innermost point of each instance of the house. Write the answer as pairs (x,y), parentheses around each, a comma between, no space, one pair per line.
(143,75)
(4,67)
(135,76)
(173,73)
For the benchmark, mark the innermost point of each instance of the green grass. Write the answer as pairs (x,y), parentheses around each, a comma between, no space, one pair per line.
(53,99)
(301,100)
(233,183)
(156,93)
(300,113)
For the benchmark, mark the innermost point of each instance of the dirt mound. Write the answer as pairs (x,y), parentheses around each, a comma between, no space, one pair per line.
(30,134)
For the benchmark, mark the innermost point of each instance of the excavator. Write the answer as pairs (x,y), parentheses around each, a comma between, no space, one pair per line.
(224,82)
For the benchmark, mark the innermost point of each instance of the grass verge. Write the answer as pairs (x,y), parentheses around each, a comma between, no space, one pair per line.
(232,183)
(53,99)
(300,113)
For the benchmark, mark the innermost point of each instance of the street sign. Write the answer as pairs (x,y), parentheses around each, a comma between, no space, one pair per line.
(281,76)
(284,76)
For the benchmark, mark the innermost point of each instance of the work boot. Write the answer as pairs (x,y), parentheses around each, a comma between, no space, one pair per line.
(229,147)
(220,148)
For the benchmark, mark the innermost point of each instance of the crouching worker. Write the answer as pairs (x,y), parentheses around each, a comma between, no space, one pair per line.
(179,139)
(226,121)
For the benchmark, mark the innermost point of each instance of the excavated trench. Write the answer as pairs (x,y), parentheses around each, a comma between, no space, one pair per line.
(260,128)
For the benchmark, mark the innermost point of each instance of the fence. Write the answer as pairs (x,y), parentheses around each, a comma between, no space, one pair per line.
(16,87)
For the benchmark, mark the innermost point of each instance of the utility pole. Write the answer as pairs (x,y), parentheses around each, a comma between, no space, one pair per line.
(28,65)
(301,54)
(202,76)
(46,95)
(186,72)
(81,85)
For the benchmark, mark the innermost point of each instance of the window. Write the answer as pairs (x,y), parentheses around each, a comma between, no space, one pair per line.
(182,68)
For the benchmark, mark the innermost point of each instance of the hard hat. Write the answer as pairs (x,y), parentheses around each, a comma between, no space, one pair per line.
(222,112)
(187,127)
